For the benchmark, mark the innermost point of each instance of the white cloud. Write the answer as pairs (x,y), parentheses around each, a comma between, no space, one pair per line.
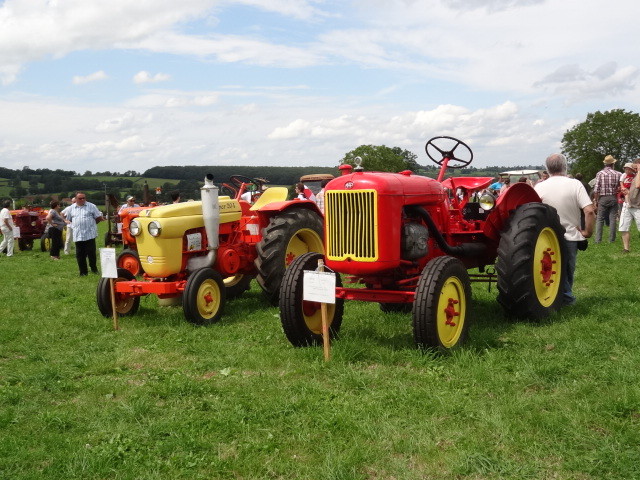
(145,77)
(301,9)
(93,77)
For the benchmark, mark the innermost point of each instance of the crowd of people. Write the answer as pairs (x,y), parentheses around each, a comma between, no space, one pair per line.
(80,220)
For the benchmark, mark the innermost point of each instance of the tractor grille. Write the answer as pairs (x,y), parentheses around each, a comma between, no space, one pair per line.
(352,225)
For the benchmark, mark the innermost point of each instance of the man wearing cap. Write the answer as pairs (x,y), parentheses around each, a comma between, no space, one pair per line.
(604,191)
(131,202)
(631,206)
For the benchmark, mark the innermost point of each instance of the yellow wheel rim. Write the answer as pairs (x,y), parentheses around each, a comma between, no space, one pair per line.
(313,316)
(451,312)
(208,302)
(547,267)
(305,240)
(233,280)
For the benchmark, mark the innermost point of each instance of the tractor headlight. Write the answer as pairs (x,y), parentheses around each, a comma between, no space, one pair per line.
(134,228)
(155,228)
(487,201)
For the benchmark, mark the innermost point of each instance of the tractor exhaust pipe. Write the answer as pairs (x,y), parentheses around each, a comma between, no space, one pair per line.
(211,218)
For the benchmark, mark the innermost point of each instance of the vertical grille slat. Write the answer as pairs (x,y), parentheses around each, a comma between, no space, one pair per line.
(352,224)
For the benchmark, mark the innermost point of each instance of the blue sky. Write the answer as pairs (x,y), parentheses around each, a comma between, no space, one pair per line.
(120,85)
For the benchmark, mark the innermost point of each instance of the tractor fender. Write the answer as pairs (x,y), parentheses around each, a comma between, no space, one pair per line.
(276,207)
(518,194)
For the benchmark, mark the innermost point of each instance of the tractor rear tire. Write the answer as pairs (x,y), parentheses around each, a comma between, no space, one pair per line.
(441,305)
(204,297)
(529,267)
(301,320)
(288,235)
(236,285)
(25,244)
(126,305)
(45,242)
(130,260)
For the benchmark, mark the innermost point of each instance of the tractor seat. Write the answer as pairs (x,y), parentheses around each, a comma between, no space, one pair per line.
(273,194)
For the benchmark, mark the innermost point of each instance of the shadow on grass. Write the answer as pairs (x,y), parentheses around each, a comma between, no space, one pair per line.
(239,310)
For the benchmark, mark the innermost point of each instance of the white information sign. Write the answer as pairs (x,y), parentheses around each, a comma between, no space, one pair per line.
(119,224)
(16,232)
(319,287)
(108,263)
(194,241)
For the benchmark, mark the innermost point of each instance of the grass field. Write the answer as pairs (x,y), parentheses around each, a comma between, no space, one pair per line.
(558,399)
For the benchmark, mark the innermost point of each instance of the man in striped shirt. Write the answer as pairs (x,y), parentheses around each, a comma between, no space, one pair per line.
(605,191)
(84,218)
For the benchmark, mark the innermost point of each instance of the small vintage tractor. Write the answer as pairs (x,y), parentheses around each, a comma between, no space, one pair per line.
(210,250)
(407,241)
(32,224)
(129,259)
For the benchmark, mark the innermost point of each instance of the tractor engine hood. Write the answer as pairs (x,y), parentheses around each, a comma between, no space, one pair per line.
(414,189)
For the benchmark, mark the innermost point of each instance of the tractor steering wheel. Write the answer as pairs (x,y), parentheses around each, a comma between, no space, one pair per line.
(447,150)
(238,180)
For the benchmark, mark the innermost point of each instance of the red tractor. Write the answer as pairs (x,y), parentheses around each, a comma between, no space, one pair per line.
(32,223)
(407,241)
(210,250)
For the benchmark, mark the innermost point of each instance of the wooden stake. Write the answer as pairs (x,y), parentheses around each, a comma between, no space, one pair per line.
(113,304)
(325,323)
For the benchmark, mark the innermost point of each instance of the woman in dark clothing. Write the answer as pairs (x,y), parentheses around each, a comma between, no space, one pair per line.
(56,225)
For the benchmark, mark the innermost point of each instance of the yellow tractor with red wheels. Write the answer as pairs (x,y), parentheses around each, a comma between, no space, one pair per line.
(407,241)
(208,251)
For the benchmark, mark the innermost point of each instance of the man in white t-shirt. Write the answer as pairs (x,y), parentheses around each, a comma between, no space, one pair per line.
(6,226)
(569,197)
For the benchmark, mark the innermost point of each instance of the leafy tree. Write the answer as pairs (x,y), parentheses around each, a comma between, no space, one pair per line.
(381,158)
(615,132)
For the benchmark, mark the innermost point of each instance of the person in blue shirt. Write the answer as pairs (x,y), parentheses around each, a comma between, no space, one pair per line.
(84,218)
(496,186)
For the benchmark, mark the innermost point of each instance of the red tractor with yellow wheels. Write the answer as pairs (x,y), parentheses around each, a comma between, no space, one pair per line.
(408,242)
(210,250)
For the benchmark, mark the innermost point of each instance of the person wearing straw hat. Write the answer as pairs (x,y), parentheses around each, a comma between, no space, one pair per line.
(605,190)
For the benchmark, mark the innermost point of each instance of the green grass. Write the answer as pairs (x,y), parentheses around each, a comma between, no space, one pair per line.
(558,399)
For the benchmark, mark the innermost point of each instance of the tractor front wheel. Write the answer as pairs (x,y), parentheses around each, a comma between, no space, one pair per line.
(204,297)
(288,235)
(440,318)
(302,320)
(45,242)
(529,267)
(130,260)
(125,304)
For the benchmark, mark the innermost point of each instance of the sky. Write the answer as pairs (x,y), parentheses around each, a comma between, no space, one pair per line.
(89,85)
